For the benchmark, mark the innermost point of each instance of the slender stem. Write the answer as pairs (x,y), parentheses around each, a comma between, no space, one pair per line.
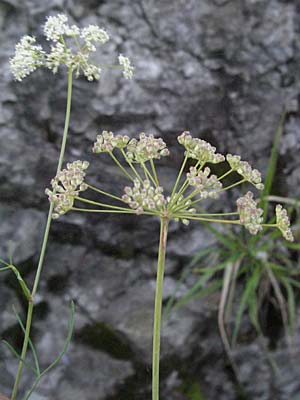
(131,166)
(104,193)
(112,211)
(95,203)
(164,222)
(185,184)
(44,244)
(120,166)
(222,221)
(179,176)
(154,171)
(231,186)
(148,173)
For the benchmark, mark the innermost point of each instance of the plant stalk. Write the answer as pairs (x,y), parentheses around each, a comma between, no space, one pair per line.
(164,222)
(44,244)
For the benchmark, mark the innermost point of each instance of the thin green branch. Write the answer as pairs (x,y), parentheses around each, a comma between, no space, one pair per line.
(104,193)
(45,241)
(148,173)
(117,162)
(154,171)
(96,203)
(131,166)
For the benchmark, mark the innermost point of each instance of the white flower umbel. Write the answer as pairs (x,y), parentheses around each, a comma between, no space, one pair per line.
(250,215)
(283,223)
(199,149)
(55,27)
(66,186)
(28,57)
(244,168)
(142,197)
(107,142)
(207,186)
(127,67)
(70,47)
(93,34)
(146,148)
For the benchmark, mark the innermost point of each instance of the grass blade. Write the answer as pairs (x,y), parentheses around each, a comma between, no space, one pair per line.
(272,164)
(15,353)
(59,357)
(250,288)
(35,357)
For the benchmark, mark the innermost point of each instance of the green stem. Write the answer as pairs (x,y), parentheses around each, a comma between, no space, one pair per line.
(164,222)
(110,211)
(148,173)
(178,178)
(44,244)
(120,166)
(131,165)
(95,203)
(222,221)
(104,193)
(154,171)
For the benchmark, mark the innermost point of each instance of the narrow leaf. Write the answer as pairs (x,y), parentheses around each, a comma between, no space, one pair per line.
(15,353)
(37,366)
(59,357)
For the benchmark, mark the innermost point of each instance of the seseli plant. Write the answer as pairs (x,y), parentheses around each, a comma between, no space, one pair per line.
(251,274)
(72,48)
(144,195)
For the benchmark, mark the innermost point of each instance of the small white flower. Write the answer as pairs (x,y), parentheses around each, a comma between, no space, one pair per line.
(66,186)
(72,30)
(199,149)
(127,67)
(146,148)
(250,215)
(28,57)
(206,184)
(107,142)
(283,223)
(55,27)
(244,168)
(93,34)
(58,55)
(142,196)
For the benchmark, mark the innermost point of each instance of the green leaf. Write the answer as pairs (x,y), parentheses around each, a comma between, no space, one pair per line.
(15,353)
(199,255)
(192,292)
(250,288)
(37,366)
(229,243)
(22,283)
(59,357)
(272,164)
(291,305)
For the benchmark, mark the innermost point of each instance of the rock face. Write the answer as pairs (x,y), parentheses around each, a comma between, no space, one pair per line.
(223,69)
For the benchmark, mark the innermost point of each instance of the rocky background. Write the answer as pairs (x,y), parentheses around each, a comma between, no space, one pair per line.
(223,69)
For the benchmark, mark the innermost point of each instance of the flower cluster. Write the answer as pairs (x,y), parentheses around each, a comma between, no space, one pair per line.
(250,215)
(127,67)
(65,186)
(107,142)
(199,149)
(29,56)
(142,196)
(283,223)
(93,34)
(244,168)
(206,185)
(146,148)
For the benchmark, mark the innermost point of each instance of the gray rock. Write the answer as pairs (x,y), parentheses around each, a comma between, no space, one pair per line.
(23,229)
